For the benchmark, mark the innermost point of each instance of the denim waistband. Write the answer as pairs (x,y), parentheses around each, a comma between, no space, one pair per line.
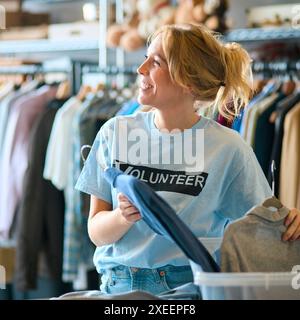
(129,270)
(123,278)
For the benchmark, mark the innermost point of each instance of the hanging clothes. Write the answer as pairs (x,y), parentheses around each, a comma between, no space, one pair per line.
(264,133)
(269,88)
(58,165)
(78,249)
(261,125)
(59,150)
(255,113)
(6,91)
(15,151)
(6,105)
(290,159)
(282,109)
(41,213)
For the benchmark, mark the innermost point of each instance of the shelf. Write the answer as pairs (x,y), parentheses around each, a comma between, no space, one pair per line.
(262,34)
(53,1)
(32,69)
(126,70)
(45,46)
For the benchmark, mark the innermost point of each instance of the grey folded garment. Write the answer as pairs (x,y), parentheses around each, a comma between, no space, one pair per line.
(187,291)
(98,295)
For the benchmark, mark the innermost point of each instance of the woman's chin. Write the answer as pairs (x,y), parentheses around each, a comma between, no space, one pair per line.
(143,100)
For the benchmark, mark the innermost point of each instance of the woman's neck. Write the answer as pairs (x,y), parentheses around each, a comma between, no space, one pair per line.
(170,120)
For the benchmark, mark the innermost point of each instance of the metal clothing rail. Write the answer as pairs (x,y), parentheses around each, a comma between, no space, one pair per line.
(29,69)
(74,72)
(280,67)
(263,34)
(110,70)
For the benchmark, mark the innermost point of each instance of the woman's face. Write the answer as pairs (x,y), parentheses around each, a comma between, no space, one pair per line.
(156,87)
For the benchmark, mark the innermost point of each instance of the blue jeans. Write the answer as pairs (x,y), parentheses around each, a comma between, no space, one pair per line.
(123,279)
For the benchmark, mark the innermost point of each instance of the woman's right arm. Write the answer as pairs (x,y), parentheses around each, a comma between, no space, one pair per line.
(106,226)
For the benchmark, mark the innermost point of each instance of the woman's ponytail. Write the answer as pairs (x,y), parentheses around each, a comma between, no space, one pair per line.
(236,88)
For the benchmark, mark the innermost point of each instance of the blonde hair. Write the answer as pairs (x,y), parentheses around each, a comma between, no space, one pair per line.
(214,72)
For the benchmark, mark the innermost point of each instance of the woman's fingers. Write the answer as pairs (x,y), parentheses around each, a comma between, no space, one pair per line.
(125,205)
(134,217)
(296,234)
(122,197)
(290,217)
(129,211)
(292,222)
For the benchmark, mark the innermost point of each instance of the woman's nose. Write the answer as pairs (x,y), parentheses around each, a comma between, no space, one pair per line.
(142,69)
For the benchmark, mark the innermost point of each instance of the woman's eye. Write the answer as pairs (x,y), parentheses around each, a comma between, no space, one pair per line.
(155,62)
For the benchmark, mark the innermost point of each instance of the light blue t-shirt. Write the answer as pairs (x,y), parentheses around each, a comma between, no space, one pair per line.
(207,174)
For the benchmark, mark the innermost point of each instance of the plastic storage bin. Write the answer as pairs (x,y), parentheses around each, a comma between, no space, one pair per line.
(245,285)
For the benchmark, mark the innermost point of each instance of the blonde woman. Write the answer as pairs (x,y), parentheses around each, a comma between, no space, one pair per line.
(203,170)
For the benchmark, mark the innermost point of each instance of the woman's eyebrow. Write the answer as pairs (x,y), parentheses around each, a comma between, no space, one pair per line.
(155,54)
(160,57)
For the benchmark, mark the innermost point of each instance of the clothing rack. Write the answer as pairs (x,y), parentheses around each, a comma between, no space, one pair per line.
(74,72)
(110,70)
(120,76)
(280,67)
(263,34)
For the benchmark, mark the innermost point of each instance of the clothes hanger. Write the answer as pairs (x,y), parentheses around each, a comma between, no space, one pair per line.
(297,81)
(113,91)
(100,87)
(83,91)
(127,92)
(258,85)
(82,152)
(40,79)
(287,88)
(288,85)
(272,202)
(63,90)
(100,158)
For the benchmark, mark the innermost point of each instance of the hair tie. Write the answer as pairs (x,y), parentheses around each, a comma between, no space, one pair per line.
(222,84)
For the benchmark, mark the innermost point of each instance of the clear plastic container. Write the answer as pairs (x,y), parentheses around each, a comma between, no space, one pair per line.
(213,245)
(245,285)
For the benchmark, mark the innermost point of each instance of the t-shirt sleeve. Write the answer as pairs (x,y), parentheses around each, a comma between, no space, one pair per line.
(248,188)
(91,179)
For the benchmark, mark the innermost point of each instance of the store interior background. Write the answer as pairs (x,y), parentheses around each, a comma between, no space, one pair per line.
(81,66)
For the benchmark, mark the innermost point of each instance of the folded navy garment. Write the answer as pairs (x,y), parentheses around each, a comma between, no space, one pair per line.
(160,217)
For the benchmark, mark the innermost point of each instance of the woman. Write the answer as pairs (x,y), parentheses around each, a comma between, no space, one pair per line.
(202,169)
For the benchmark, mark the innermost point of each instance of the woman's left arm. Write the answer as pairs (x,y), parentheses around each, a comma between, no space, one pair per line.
(292,222)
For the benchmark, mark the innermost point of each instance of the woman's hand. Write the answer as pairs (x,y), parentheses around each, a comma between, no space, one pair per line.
(127,209)
(292,222)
